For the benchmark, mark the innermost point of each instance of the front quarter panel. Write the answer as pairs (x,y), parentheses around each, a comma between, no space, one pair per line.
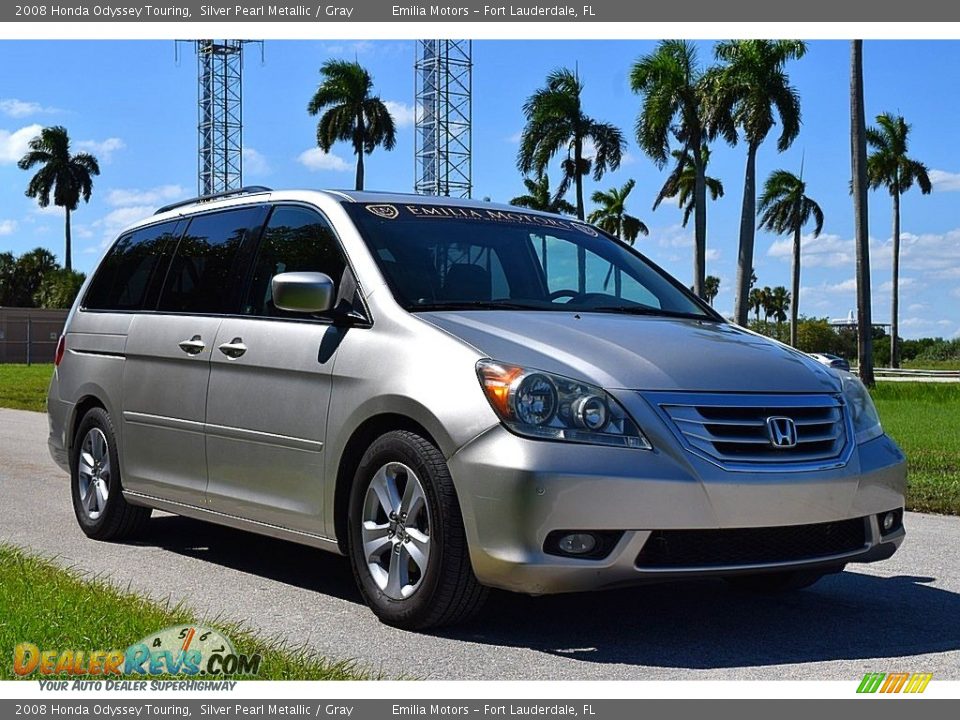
(403,366)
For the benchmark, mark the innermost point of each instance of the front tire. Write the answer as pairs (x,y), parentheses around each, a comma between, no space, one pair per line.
(406,539)
(98,501)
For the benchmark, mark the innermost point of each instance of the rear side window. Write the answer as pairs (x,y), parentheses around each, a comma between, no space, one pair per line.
(204,274)
(130,275)
(295,239)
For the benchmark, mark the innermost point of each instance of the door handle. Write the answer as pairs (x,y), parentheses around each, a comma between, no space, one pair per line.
(233,349)
(193,346)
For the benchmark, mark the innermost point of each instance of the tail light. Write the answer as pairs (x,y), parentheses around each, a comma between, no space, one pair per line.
(61,347)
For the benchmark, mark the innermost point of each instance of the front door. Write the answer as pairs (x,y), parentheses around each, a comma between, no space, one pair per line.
(270,386)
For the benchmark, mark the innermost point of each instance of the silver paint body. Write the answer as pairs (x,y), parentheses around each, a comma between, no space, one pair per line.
(255,441)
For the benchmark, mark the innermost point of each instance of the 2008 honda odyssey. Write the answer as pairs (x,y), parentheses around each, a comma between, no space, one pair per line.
(458,396)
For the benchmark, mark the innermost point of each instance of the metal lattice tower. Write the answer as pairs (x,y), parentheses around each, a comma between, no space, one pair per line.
(444,108)
(220,123)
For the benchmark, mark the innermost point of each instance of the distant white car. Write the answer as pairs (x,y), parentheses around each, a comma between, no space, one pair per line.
(833,361)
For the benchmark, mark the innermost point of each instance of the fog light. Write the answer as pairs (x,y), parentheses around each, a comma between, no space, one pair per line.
(577,544)
(889,520)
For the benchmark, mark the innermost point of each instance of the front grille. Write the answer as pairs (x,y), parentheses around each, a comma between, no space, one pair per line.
(732,429)
(684,549)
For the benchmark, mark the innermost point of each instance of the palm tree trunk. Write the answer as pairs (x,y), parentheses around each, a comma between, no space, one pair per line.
(358,148)
(581,251)
(795,286)
(895,290)
(748,215)
(858,167)
(68,252)
(699,225)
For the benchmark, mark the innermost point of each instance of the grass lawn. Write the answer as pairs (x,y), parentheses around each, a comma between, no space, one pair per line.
(932,364)
(24,387)
(55,609)
(924,418)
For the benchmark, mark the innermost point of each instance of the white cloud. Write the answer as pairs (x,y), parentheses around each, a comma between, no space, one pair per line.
(403,114)
(254,162)
(8,227)
(514,139)
(125,197)
(944,181)
(15,108)
(102,149)
(14,145)
(905,282)
(628,158)
(811,293)
(317,159)
(114,221)
(358,47)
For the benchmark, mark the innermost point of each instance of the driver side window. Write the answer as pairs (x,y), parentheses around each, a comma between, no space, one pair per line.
(296,239)
(561,266)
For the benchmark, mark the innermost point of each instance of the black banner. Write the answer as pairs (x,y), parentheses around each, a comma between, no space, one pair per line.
(469,11)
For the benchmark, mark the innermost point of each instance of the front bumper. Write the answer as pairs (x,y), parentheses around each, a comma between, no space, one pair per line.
(514,492)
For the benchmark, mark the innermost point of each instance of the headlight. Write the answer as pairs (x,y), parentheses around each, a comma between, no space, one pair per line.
(866,421)
(542,405)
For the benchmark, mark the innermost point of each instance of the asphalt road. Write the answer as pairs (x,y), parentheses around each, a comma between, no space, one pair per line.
(901,614)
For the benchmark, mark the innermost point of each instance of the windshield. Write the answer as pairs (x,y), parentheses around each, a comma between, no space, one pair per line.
(438,257)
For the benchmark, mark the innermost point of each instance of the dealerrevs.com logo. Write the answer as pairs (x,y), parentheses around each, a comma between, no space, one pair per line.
(894,682)
(190,650)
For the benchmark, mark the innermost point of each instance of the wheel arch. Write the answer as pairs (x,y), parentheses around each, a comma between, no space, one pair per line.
(361,438)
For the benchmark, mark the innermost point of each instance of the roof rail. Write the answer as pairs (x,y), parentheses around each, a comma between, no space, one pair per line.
(247,190)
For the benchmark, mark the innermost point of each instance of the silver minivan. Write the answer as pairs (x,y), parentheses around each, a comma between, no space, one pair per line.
(458,396)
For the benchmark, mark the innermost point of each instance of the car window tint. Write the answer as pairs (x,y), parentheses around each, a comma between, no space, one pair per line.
(130,275)
(202,277)
(295,239)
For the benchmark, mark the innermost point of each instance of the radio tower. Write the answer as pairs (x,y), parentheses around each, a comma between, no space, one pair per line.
(443,135)
(220,123)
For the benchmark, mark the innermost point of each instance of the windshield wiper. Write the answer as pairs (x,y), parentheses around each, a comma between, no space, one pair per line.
(475,305)
(643,310)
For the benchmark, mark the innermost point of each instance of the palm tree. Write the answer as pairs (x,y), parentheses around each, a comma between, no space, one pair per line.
(674,88)
(555,121)
(766,302)
(351,113)
(785,208)
(779,303)
(682,181)
(538,197)
(59,288)
(858,171)
(711,288)
(611,214)
(68,177)
(756,301)
(754,91)
(890,167)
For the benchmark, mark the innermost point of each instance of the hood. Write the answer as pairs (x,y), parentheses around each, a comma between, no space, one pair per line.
(639,352)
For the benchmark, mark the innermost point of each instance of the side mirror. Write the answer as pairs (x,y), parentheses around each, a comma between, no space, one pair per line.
(303,292)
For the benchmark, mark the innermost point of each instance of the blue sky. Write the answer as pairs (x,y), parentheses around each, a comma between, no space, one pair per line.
(131,104)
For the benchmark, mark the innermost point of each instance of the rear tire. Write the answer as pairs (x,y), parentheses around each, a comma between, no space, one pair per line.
(777,582)
(406,538)
(98,502)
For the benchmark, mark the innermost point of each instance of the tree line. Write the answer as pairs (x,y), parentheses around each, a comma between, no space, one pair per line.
(685,107)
